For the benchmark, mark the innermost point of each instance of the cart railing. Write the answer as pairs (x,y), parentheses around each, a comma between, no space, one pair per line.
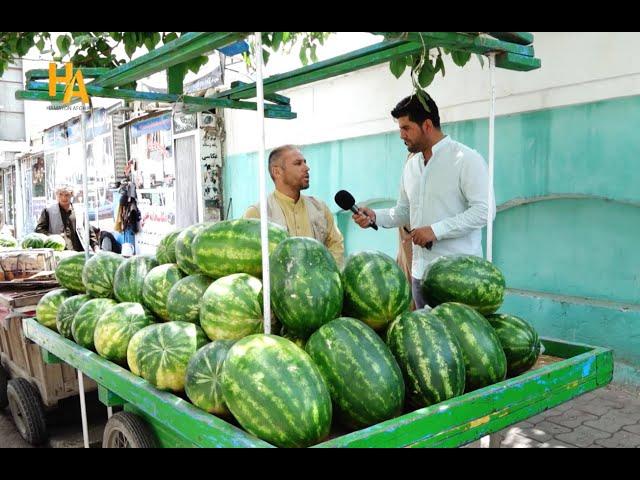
(454,422)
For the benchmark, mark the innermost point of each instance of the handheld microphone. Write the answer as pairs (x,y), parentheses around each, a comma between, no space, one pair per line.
(346,202)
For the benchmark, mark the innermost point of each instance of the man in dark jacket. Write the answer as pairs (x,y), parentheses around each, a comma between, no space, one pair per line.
(60,218)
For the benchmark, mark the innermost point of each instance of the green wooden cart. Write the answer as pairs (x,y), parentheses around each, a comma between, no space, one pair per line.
(154,418)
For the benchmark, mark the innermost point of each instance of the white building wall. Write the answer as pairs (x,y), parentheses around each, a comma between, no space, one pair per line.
(577,67)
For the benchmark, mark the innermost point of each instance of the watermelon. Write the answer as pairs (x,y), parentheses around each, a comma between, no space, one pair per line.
(301,342)
(98,274)
(202,380)
(306,290)
(7,240)
(84,323)
(430,357)
(184,253)
(160,353)
(519,341)
(116,326)
(56,242)
(231,308)
(484,360)
(156,287)
(276,392)
(364,379)
(67,312)
(166,249)
(69,272)
(183,301)
(233,246)
(129,278)
(376,290)
(48,305)
(34,240)
(464,279)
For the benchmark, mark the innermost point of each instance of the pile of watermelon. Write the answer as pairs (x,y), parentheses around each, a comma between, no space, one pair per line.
(40,240)
(344,349)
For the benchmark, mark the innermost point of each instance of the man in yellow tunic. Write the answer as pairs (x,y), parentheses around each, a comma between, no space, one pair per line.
(302,215)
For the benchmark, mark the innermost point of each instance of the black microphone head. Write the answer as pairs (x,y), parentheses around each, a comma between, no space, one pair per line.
(345,200)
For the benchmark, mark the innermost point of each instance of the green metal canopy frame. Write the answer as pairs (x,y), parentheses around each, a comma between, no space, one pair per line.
(513,51)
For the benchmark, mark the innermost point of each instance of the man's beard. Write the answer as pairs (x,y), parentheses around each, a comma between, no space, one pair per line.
(413,149)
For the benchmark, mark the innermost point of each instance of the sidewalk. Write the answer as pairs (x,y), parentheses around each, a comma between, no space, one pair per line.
(607,417)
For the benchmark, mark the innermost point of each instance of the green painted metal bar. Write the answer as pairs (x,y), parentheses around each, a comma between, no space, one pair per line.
(521,38)
(356,60)
(183,49)
(182,418)
(520,63)
(40,73)
(108,398)
(272,97)
(475,414)
(40,91)
(468,43)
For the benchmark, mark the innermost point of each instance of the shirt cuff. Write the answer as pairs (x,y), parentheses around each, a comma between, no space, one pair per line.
(439,230)
(383,219)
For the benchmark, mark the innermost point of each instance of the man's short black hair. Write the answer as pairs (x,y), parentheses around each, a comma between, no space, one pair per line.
(276,154)
(412,107)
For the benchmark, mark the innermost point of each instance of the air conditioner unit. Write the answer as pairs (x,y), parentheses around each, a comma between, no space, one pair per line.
(207,120)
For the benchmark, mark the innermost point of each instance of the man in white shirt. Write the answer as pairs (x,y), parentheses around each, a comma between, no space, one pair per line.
(444,192)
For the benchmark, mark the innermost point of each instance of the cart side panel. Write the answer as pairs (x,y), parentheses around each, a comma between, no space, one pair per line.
(475,414)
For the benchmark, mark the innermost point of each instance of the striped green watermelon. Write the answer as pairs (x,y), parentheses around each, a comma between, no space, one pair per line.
(183,301)
(156,287)
(376,290)
(84,323)
(301,342)
(129,278)
(202,380)
(233,246)
(56,242)
(231,308)
(160,353)
(116,326)
(306,290)
(363,377)
(484,359)
(276,392)
(430,357)
(34,240)
(67,312)
(48,305)
(98,274)
(7,240)
(69,272)
(464,279)
(166,249)
(519,341)
(184,253)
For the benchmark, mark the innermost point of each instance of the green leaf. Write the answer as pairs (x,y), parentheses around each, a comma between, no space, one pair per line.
(440,65)
(277,40)
(63,42)
(117,36)
(170,37)
(397,66)
(40,44)
(265,56)
(13,43)
(481,59)
(148,42)
(286,36)
(314,57)
(460,58)
(426,74)
(24,45)
(303,55)
(79,40)
(423,97)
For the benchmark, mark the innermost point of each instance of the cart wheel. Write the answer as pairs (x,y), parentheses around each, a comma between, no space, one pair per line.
(4,378)
(126,430)
(27,411)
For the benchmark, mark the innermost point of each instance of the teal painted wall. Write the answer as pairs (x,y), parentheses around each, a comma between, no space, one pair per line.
(579,242)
